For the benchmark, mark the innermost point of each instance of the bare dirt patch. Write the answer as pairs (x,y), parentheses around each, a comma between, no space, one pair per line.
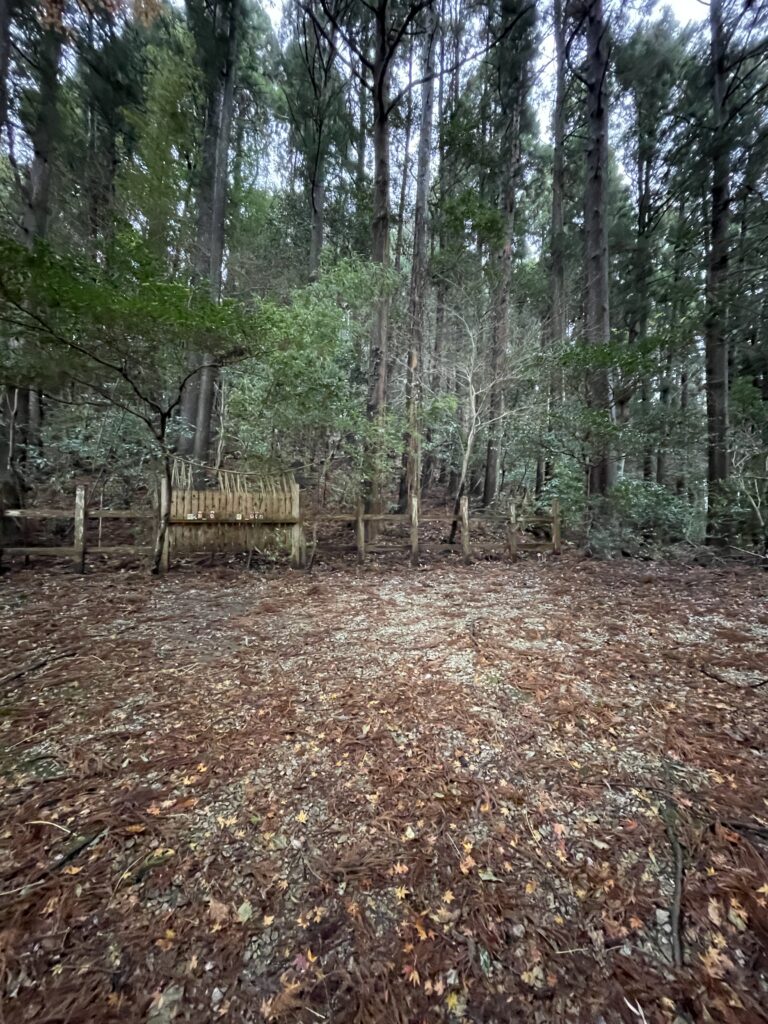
(536,792)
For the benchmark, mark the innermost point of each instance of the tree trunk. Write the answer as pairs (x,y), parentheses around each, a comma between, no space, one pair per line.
(377,393)
(602,470)
(556,334)
(44,132)
(317,201)
(406,166)
(377,356)
(199,394)
(435,369)
(418,286)
(557,321)
(360,155)
(715,333)
(500,337)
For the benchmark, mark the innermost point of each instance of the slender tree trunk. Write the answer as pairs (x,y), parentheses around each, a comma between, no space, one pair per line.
(209,375)
(360,155)
(557,309)
(317,202)
(418,287)
(201,258)
(500,337)
(557,321)
(602,469)
(435,369)
(715,333)
(199,394)
(406,166)
(44,134)
(377,356)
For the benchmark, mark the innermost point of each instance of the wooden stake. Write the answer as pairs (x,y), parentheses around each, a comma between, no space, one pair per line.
(164,510)
(414,530)
(360,531)
(556,543)
(464,513)
(513,531)
(79,542)
(298,544)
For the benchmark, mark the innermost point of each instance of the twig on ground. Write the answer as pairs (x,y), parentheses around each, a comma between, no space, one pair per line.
(637,1009)
(670,815)
(81,843)
(21,888)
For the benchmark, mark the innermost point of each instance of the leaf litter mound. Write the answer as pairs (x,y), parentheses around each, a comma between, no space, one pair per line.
(534,793)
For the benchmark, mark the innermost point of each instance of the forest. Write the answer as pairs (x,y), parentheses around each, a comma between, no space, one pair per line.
(286,280)
(506,249)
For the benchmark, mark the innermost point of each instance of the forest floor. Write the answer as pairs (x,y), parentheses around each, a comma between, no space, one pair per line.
(496,793)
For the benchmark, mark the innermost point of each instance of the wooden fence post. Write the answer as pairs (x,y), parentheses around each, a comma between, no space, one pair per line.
(464,512)
(360,532)
(79,541)
(556,541)
(164,511)
(298,545)
(414,530)
(513,531)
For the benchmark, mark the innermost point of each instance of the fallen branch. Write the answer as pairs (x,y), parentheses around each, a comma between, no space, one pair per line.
(11,677)
(711,674)
(744,826)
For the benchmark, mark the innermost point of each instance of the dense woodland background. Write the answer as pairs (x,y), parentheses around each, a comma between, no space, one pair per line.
(515,249)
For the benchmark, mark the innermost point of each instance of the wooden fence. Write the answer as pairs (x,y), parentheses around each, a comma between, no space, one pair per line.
(80,516)
(514,524)
(204,521)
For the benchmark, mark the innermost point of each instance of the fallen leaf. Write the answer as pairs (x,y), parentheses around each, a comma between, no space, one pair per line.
(534,977)
(218,911)
(713,912)
(737,915)
(467,864)
(244,912)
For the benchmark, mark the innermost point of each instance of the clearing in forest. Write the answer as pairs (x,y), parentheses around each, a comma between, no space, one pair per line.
(534,793)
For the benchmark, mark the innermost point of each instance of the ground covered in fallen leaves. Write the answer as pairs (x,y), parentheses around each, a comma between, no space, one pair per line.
(533,792)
